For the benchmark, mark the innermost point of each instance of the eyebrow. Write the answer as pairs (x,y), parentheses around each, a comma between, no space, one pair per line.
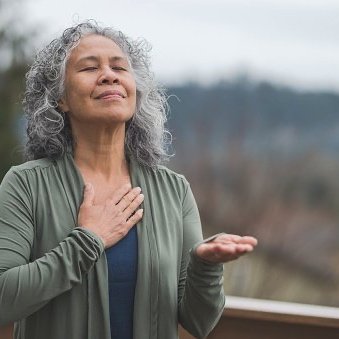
(95,58)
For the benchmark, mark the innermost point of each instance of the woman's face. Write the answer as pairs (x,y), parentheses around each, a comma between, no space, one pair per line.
(99,84)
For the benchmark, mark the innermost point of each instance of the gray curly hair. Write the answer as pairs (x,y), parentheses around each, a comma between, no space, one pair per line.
(49,131)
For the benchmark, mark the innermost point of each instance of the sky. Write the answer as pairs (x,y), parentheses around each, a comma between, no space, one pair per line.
(288,42)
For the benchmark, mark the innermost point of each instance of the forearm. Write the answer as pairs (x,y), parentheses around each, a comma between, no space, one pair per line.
(26,288)
(203,300)
(200,292)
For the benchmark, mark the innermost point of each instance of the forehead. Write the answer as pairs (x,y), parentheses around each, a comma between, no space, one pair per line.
(96,45)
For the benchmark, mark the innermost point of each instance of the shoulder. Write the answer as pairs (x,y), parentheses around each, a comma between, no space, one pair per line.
(163,170)
(165,174)
(33,165)
(162,179)
(25,172)
(17,182)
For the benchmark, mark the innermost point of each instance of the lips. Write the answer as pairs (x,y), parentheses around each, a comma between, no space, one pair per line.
(109,94)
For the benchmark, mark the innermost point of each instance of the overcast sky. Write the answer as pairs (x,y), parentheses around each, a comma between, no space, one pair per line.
(293,42)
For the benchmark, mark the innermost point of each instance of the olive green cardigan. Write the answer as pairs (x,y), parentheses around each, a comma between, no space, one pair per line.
(53,274)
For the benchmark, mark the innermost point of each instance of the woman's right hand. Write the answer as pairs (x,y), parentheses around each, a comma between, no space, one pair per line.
(112,220)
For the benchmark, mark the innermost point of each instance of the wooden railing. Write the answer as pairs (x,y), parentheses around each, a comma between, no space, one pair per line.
(262,319)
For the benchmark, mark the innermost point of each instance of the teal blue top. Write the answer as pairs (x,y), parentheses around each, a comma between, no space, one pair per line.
(122,260)
(53,274)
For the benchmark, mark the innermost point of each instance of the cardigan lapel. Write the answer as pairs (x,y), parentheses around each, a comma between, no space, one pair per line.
(98,323)
(73,184)
(146,292)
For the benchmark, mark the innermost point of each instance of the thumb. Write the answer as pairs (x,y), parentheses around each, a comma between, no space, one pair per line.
(88,194)
(202,250)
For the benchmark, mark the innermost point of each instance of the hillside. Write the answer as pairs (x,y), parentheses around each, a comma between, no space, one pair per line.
(264,160)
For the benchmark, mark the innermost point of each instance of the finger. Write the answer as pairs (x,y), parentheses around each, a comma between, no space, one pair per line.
(243,248)
(128,198)
(130,209)
(135,218)
(222,252)
(88,195)
(233,248)
(120,193)
(227,238)
(248,240)
(213,250)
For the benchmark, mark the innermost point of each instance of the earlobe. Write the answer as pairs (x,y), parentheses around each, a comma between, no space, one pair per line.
(62,105)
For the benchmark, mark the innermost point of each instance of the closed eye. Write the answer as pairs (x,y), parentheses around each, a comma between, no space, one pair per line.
(119,68)
(90,68)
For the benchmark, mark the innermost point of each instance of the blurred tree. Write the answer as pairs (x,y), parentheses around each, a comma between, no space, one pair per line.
(14,56)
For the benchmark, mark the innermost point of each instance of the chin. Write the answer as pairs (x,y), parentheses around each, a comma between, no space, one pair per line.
(116,115)
(117,118)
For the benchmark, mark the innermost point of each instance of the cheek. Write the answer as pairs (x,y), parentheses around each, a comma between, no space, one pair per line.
(132,85)
(79,88)
(77,92)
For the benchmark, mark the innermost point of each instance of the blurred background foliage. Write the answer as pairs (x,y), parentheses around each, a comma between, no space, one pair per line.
(262,160)
(15,56)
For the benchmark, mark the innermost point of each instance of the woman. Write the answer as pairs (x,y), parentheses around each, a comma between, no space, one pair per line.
(73,264)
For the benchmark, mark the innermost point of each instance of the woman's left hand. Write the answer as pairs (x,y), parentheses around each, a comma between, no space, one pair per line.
(225,247)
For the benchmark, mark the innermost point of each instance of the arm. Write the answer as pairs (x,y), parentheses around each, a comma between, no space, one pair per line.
(27,286)
(201,297)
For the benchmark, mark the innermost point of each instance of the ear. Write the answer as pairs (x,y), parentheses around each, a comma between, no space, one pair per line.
(62,104)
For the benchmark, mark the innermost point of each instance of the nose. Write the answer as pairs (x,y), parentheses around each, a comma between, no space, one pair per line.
(108,76)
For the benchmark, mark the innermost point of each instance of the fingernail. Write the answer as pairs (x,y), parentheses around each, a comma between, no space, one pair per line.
(141,211)
(88,186)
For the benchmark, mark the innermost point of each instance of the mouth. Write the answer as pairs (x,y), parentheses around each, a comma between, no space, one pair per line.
(110,95)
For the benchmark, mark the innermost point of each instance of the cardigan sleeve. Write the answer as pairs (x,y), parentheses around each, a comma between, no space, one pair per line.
(201,295)
(26,286)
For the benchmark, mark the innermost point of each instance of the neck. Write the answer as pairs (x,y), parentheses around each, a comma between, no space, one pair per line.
(101,152)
